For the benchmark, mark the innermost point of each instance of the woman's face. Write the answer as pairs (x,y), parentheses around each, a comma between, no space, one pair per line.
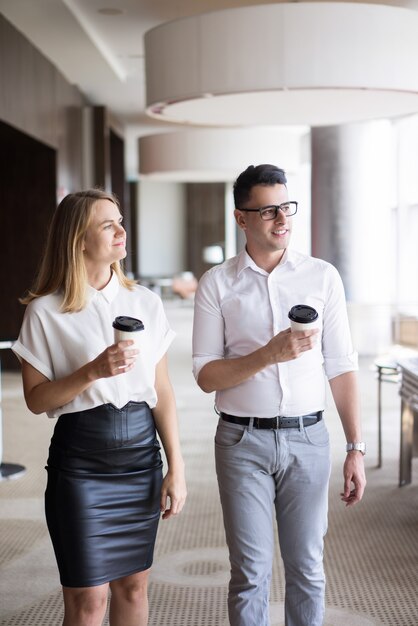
(105,239)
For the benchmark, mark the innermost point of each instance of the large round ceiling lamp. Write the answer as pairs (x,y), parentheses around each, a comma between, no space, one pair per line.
(208,155)
(301,63)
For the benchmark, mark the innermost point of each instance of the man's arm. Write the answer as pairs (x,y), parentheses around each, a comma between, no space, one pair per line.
(346,396)
(219,373)
(225,373)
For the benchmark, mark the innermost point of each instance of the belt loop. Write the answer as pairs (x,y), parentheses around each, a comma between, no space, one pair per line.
(251,425)
(300,423)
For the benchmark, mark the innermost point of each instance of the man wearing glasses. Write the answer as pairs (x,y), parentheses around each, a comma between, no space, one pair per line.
(271,444)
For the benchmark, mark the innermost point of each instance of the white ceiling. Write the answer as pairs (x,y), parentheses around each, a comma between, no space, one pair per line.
(98,45)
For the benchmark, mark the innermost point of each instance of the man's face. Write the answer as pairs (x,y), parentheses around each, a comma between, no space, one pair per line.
(265,236)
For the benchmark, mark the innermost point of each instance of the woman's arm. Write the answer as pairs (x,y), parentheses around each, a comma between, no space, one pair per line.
(165,416)
(42,394)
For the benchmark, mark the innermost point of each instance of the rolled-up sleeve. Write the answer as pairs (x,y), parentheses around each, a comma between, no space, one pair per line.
(32,345)
(337,349)
(164,335)
(208,325)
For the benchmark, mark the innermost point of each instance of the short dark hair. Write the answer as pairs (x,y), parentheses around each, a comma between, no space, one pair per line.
(256,175)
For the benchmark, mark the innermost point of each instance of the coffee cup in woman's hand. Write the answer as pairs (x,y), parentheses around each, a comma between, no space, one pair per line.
(128,328)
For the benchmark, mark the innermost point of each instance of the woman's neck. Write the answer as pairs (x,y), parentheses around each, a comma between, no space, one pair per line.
(98,278)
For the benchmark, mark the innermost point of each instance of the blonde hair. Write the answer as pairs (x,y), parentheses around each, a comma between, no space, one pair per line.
(62,266)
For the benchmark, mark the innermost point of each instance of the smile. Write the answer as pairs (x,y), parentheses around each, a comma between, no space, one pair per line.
(282,231)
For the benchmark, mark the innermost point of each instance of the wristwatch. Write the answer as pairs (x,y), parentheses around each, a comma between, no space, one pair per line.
(360,446)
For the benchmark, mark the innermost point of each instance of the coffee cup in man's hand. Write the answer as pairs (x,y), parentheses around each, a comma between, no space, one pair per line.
(303,317)
(126,327)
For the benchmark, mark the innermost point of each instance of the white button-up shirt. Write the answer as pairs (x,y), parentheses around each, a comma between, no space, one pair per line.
(239,307)
(57,344)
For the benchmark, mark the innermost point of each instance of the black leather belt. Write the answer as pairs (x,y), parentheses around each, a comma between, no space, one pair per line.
(274,422)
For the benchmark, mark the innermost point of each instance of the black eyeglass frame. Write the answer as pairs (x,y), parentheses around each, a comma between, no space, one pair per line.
(276,207)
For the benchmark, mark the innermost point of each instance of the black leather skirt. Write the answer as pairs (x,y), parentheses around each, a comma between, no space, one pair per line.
(102,499)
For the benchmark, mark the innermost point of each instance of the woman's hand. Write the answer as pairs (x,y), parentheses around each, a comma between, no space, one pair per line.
(173,493)
(42,394)
(116,359)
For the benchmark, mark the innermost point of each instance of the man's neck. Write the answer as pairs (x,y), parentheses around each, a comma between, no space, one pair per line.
(267,261)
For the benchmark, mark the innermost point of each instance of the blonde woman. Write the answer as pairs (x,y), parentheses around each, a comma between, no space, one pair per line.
(105,489)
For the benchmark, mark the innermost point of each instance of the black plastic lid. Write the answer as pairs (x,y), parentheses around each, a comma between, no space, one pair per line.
(303,313)
(127,324)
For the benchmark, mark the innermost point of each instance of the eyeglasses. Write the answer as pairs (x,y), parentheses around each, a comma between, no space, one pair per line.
(270,212)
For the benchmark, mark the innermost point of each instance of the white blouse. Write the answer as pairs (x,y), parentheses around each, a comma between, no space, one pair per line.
(57,344)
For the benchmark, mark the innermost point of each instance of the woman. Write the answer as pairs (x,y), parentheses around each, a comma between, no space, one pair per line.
(105,489)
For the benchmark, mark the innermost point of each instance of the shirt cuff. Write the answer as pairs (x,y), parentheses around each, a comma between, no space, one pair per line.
(168,339)
(199,362)
(336,366)
(23,353)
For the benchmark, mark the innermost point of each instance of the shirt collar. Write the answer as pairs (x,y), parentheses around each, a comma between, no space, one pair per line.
(109,292)
(244,260)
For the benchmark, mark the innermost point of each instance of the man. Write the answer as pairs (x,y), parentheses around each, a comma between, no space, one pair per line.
(264,375)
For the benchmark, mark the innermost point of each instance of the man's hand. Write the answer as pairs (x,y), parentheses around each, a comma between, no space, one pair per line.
(289,345)
(353,474)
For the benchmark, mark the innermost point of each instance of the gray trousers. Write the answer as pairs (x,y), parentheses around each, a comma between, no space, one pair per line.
(284,471)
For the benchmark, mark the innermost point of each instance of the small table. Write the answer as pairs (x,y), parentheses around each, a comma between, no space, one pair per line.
(409,418)
(7,470)
(387,371)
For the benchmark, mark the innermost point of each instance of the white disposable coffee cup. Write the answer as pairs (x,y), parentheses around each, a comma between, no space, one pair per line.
(126,327)
(303,317)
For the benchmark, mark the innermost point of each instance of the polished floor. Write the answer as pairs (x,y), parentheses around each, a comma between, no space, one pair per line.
(371,550)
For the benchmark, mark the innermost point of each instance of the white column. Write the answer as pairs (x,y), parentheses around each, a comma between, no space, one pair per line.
(353,200)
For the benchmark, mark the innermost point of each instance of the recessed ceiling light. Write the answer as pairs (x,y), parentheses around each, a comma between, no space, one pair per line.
(110,11)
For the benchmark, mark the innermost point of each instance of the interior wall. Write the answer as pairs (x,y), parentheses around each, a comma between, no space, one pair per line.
(27,199)
(161,236)
(132,259)
(205,222)
(120,187)
(36,99)
(40,162)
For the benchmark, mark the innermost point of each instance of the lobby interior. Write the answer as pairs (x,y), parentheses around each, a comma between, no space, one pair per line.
(353,171)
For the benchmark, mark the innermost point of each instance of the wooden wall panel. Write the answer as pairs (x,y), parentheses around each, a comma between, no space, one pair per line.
(133,228)
(41,160)
(40,156)
(69,130)
(120,187)
(205,222)
(36,99)
(27,199)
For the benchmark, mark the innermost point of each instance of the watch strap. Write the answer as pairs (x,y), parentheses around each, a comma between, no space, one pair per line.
(360,446)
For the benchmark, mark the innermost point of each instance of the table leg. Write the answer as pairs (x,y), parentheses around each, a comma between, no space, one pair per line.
(407,435)
(379,417)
